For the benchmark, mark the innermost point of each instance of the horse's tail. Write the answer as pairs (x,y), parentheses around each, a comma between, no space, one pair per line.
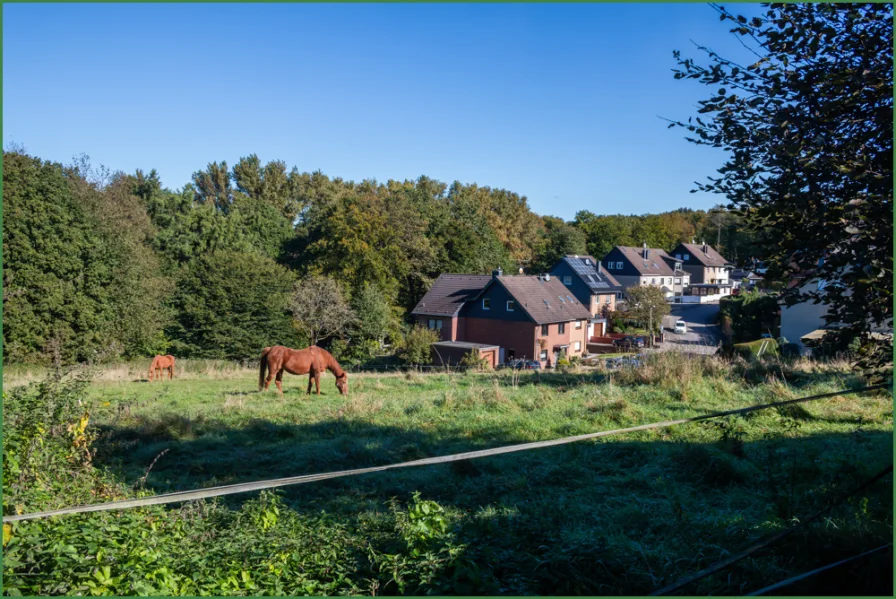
(263,367)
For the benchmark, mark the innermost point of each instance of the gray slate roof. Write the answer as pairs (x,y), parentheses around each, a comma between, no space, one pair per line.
(710,258)
(448,294)
(597,279)
(655,264)
(541,299)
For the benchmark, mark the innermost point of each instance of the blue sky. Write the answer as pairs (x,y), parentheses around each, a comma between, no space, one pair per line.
(556,102)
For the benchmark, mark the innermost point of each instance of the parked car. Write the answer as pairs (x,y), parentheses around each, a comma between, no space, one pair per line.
(681,327)
(629,342)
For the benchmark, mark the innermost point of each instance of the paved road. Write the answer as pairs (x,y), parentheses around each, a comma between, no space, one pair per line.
(703,334)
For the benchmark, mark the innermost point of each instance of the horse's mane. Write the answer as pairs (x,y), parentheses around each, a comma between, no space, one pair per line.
(330,362)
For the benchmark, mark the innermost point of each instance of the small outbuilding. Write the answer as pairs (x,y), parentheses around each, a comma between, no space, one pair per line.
(452,352)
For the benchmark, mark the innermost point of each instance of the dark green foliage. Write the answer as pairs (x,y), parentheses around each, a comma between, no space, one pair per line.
(560,239)
(748,316)
(231,305)
(809,131)
(79,280)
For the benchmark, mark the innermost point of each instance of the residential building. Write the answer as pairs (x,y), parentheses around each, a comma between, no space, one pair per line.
(440,306)
(531,317)
(632,266)
(593,286)
(708,270)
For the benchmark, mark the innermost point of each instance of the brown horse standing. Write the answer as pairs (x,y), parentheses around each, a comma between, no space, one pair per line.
(311,361)
(160,364)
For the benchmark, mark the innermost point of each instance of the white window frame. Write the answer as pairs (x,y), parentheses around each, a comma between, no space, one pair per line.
(486,303)
(567,281)
(561,328)
(543,355)
(619,266)
(511,305)
(577,346)
(578,325)
(678,281)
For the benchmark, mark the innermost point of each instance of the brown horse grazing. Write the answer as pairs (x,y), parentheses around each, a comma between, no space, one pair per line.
(311,361)
(160,364)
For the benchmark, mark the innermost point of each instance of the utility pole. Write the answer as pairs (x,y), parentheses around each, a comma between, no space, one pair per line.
(651,326)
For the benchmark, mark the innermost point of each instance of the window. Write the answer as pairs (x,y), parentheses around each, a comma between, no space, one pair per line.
(686,257)
(577,346)
(543,355)
(619,266)
(562,301)
(567,280)
(511,305)
(678,266)
(435,325)
(544,330)
(678,281)
(561,328)
(653,281)
(578,324)
(486,304)
(678,256)
(607,298)
(618,295)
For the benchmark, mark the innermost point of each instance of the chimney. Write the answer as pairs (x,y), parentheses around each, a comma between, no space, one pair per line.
(497,273)
(645,250)
(704,248)
(521,271)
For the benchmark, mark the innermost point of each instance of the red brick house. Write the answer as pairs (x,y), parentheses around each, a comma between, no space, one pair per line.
(531,317)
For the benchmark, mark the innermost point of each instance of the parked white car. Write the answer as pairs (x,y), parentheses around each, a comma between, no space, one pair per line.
(681,327)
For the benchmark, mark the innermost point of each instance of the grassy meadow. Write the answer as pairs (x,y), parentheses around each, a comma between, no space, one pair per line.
(621,515)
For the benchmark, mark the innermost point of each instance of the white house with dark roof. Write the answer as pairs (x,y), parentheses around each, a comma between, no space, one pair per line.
(633,266)
(708,269)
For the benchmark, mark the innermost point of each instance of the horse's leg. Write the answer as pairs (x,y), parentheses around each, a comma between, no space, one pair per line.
(317,381)
(279,381)
(310,379)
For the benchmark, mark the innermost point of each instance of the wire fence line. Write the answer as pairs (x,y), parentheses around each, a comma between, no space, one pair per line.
(805,575)
(196,494)
(771,539)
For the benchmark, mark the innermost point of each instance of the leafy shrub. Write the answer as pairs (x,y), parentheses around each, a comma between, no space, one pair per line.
(474,361)
(416,347)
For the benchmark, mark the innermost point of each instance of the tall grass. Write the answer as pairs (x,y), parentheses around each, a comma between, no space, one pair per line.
(624,515)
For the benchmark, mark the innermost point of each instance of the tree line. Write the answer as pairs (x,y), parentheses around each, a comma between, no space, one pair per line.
(101,265)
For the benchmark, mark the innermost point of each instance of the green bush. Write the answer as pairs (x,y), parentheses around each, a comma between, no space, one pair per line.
(415,348)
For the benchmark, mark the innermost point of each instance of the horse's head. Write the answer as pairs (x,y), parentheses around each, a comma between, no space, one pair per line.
(342,383)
